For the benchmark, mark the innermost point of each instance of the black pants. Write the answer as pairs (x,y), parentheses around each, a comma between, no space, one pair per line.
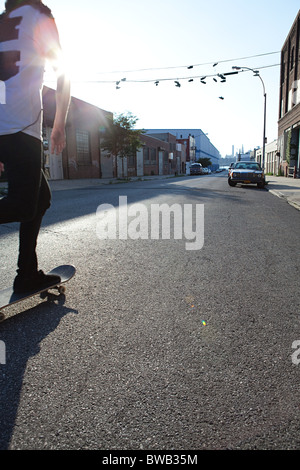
(28,195)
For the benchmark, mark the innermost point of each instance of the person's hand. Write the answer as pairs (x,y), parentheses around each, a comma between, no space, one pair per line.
(1,168)
(58,140)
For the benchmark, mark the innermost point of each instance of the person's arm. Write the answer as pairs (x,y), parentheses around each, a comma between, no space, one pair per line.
(1,168)
(58,136)
(51,49)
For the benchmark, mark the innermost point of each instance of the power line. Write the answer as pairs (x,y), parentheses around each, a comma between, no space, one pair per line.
(222,76)
(202,77)
(190,66)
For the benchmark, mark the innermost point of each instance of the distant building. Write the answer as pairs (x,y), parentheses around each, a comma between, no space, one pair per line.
(203,148)
(289,103)
(159,155)
(190,146)
(83,157)
(238,157)
(272,162)
(243,156)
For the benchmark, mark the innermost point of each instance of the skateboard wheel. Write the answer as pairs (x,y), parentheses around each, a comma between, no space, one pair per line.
(61,289)
(2,317)
(44,294)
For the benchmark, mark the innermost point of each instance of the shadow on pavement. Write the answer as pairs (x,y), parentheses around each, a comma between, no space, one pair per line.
(22,334)
(79,202)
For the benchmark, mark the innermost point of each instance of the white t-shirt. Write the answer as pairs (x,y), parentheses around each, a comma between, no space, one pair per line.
(27,36)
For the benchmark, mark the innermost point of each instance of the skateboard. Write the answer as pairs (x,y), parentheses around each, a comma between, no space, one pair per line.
(9,297)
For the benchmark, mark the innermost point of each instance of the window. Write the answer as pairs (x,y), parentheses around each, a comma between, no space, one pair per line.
(149,155)
(153,156)
(131,161)
(282,68)
(292,58)
(83,147)
(146,155)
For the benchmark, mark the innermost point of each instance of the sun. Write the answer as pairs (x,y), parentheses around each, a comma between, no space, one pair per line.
(79,72)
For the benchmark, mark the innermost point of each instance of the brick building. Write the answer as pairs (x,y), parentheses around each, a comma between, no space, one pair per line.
(172,154)
(196,142)
(82,157)
(289,103)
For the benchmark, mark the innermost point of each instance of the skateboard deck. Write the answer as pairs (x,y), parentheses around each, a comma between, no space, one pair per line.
(9,297)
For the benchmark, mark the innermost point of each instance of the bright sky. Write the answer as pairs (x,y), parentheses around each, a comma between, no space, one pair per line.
(109,41)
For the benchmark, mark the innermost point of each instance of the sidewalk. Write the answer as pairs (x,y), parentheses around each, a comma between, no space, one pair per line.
(64,185)
(61,185)
(285,188)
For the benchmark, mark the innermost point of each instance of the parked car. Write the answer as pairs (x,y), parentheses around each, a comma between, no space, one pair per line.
(196,169)
(246,173)
(231,166)
(205,170)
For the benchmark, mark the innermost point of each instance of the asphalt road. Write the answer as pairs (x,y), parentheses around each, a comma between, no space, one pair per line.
(156,346)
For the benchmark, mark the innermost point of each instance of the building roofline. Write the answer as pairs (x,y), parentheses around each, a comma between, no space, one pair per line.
(78,100)
(290,31)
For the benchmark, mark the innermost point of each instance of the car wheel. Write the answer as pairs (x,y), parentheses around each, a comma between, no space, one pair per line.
(261,185)
(230,182)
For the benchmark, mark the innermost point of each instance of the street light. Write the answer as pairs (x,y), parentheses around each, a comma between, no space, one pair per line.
(256,74)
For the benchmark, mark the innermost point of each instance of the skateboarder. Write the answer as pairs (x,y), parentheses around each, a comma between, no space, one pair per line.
(28,37)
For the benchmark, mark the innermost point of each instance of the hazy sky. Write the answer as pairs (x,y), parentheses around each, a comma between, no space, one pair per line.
(107,41)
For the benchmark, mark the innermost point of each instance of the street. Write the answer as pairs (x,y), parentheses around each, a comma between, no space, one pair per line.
(156,346)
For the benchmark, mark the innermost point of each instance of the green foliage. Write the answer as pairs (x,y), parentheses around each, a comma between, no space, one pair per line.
(120,138)
(205,162)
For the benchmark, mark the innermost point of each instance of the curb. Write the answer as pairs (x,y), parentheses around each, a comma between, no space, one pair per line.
(280,195)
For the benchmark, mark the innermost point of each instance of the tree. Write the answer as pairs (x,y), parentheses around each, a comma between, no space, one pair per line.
(120,138)
(205,162)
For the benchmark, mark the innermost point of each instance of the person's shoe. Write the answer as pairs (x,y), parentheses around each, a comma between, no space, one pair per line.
(38,281)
